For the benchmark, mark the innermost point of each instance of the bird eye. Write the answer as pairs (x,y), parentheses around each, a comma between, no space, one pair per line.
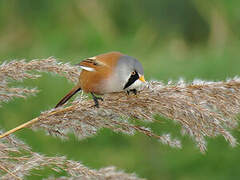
(133,73)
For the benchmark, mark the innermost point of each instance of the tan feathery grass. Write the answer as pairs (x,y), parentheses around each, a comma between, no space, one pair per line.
(201,108)
(17,160)
(19,70)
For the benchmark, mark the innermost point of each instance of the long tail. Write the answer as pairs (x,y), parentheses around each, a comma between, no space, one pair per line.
(68,96)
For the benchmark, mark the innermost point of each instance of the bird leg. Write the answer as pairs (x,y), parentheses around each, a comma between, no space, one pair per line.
(134,91)
(95,99)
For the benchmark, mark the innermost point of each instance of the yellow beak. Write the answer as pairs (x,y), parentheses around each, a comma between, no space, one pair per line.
(141,78)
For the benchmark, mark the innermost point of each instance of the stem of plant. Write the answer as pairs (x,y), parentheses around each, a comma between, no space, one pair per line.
(31,122)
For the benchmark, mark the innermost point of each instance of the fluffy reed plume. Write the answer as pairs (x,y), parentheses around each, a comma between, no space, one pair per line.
(84,120)
(17,160)
(201,108)
(19,70)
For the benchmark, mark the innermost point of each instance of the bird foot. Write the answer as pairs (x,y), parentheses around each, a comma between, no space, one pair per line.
(95,99)
(134,91)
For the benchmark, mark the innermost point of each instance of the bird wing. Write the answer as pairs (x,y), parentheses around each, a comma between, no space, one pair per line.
(91,64)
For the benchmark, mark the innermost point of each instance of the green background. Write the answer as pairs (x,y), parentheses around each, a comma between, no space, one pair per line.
(172,39)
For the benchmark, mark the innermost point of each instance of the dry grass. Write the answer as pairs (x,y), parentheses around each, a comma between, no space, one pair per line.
(17,161)
(201,108)
(19,70)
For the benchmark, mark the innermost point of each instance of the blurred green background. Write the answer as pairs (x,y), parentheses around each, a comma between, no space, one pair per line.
(172,39)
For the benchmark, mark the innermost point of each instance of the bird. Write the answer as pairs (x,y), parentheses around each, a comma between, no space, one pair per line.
(107,73)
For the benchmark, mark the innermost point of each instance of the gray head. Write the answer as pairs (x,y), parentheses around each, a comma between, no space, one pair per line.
(130,72)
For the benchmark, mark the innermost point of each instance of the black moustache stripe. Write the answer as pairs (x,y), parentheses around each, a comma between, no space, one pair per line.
(131,80)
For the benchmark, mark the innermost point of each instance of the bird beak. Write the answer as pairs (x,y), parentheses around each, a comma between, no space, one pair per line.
(141,78)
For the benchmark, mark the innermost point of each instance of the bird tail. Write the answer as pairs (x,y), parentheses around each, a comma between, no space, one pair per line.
(68,96)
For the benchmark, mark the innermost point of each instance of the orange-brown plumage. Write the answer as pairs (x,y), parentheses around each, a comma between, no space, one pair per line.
(107,73)
(103,65)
